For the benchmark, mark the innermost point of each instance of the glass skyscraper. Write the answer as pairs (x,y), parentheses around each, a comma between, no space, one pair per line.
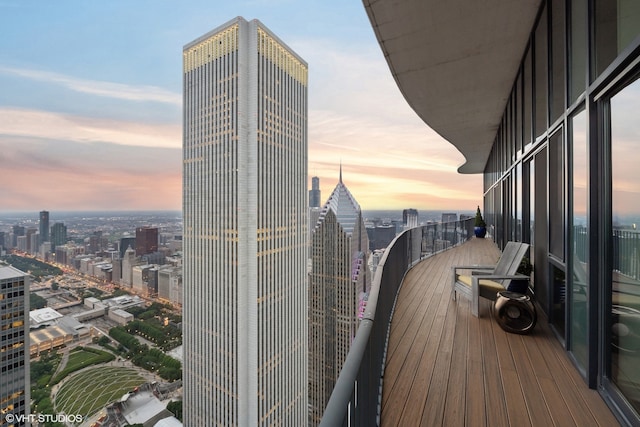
(314,193)
(245,238)
(44,227)
(14,346)
(338,289)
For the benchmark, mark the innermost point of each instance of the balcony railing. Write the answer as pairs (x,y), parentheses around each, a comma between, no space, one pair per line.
(357,395)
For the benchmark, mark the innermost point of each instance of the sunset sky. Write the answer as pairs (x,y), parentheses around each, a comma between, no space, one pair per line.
(91,105)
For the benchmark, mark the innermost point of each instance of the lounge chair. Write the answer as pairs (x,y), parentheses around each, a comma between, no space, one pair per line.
(486,281)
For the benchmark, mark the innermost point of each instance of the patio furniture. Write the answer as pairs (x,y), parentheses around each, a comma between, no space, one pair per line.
(515,312)
(486,281)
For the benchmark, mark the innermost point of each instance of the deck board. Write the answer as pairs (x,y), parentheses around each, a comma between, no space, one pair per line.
(446,367)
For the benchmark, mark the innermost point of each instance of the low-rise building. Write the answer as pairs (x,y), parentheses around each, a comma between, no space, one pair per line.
(119,316)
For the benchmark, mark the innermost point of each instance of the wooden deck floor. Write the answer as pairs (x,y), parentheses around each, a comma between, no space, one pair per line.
(446,367)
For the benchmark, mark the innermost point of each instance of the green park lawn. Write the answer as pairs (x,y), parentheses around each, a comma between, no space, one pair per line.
(80,358)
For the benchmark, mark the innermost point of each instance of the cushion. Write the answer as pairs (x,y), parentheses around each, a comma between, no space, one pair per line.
(488,288)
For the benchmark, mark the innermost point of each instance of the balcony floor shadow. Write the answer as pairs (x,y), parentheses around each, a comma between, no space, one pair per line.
(446,367)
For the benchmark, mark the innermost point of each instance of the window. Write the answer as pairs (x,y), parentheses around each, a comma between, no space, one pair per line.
(579,249)
(556,195)
(527,101)
(617,25)
(541,70)
(578,35)
(625,242)
(557,60)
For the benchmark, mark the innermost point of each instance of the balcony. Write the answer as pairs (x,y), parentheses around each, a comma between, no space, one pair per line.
(442,366)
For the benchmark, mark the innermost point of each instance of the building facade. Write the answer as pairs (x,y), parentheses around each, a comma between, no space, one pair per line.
(32,240)
(170,284)
(563,179)
(128,262)
(338,284)
(410,218)
(18,230)
(314,193)
(146,240)
(550,99)
(44,226)
(58,235)
(245,236)
(125,243)
(14,344)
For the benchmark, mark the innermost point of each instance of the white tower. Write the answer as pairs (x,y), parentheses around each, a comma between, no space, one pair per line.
(245,238)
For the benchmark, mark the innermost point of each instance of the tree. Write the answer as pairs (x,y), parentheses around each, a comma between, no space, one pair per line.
(479,222)
(36,301)
(175,407)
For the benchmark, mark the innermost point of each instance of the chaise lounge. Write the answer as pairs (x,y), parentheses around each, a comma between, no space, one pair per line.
(486,281)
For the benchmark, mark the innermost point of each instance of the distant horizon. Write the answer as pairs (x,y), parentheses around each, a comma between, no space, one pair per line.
(55,213)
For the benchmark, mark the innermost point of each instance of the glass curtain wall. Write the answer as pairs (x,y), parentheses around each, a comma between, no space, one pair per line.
(553,178)
(579,243)
(557,278)
(625,239)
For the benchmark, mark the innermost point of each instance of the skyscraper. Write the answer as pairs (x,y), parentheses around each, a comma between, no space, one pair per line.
(18,230)
(44,226)
(14,333)
(338,283)
(245,235)
(314,193)
(410,218)
(146,240)
(32,239)
(58,235)
(128,262)
(125,242)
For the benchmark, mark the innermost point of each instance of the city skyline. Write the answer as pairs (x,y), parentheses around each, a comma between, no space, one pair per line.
(91,114)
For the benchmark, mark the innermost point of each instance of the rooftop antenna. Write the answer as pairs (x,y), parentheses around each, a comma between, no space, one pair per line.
(340,171)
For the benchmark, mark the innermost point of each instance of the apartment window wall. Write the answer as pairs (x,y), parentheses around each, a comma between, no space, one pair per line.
(562,175)
(624,274)
(579,241)
(556,196)
(617,24)
(518,128)
(577,48)
(527,107)
(541,67)
(556,232)
(557,71)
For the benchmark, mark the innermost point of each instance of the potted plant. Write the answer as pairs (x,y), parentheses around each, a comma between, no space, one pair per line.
(480,228)
(520,286)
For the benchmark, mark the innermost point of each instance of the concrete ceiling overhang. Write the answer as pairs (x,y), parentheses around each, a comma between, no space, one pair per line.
(455,62)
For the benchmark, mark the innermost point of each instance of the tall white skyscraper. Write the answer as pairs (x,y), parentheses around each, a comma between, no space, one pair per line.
(245,237)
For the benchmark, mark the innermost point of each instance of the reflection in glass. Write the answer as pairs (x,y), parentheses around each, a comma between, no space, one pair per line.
(617,25)
(579,250)
(541,71)
(527,101)
(625,215)
(517,202)
(559,289)
(556,195)
(558,30)
(578,48)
